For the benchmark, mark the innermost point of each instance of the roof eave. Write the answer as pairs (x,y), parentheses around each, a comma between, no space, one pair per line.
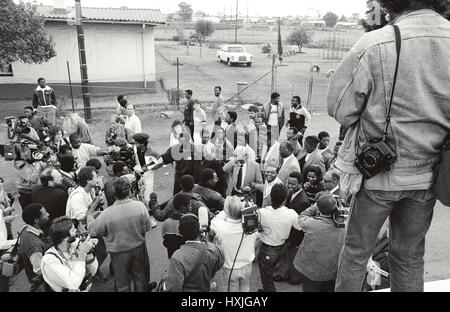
(49,19)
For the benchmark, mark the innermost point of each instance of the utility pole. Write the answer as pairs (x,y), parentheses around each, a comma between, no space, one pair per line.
(178,83)
(236,26)
(272,87)
(83,63)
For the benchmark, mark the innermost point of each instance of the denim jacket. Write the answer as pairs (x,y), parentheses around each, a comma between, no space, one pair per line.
(360,90)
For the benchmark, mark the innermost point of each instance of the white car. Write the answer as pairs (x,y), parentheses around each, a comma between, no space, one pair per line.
(234,54)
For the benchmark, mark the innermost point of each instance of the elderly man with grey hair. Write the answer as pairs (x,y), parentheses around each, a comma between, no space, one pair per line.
(242,172)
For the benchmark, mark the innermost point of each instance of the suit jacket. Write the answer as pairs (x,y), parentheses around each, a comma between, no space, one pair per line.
(252,174)
(299,204)
(316,159)
(290,165)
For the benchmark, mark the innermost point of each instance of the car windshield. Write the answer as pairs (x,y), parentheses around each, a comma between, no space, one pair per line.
(236,49)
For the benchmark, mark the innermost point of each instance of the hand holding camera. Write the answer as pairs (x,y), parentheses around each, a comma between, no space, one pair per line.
(85,247)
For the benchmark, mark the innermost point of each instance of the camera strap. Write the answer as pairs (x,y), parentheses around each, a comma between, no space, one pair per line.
(398,43)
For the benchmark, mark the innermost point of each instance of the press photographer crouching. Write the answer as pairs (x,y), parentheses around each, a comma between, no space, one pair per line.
(318,255)
(70,263)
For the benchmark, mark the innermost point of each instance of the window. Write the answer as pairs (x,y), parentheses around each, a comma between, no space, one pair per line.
(236,49)
(5,69)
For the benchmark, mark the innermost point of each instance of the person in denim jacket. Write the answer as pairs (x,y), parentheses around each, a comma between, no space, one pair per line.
(358,99)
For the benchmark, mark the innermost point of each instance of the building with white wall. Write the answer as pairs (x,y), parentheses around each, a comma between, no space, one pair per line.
(120,52)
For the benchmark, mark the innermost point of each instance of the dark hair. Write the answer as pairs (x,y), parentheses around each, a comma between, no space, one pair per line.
(64,148)
(278,195)
(202,133)
(60,229)
(39,80)
(86,174)
(323,134)
(2,180)
(274,95)
(297,175)
(180,201)
(176,123)
(253,109)
(118,168)
(45,178)
(189,227)
(233,115)
(206,175)
(74,136)
(29,107)
(299,100)
(122,188)
(218,87)
(289,146)
(94,162)
(312,140)
(67,161)
(335,176)
(31,212)
(54,130)
(188,91)
(400,6)
(187,183)
(314,169)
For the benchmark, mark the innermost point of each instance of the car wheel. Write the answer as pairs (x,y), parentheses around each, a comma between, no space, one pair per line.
(249,64)
(229,63)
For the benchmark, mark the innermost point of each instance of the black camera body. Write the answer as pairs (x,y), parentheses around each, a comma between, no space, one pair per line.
(22,128)
(340,216)
(111,140)
(375,157)
(250,220)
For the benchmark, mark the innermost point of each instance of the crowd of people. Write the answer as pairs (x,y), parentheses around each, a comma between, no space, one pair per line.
(245,190)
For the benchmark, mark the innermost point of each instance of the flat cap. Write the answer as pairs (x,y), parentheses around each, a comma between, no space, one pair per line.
(141,138)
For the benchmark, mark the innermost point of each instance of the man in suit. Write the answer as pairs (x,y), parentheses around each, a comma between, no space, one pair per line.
(324,149)
(189,111)
(242,172)
(313,155)
(297,200)
(270,174)
(289,162)
(257,138)
(230,131)
(331,181)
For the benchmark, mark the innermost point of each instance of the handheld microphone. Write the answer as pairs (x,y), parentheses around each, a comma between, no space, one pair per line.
(203,219)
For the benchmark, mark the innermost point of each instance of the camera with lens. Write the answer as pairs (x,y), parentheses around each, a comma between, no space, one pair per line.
(340,215)
(45,136)
(22,127)
(375,157)
(111,139)
(250,220)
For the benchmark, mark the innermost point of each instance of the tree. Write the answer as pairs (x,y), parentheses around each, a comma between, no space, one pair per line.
(23,36)
(299,37)
(203,29)
(330,19)
(343,19)
(185,11)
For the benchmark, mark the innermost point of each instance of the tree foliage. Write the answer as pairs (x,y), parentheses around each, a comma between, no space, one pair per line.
(185,11)
(203,29)
(299,37)
(343,19)
(330,19)
(22,35)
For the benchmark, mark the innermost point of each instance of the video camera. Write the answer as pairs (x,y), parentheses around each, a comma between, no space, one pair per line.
(125,154)
(24,151)
(250,220)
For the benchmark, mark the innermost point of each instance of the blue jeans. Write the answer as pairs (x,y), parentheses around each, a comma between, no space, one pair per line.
(268,258)
(410,214)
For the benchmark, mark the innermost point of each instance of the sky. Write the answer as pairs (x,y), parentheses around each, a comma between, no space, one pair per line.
(253,7)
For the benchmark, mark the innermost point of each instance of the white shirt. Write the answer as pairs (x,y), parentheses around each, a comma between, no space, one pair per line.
(78,204)
(277,224)
(268,186)
(307,157)
(62,272)
(133,124)
(273,116)
(304,112)
(84,154)
(229,232)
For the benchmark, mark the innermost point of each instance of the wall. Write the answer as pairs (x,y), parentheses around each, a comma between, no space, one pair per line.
(114,56)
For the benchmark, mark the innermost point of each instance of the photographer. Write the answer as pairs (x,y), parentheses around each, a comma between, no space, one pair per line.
(25,132)
(27,176)
(123,227)
(33,243)
(397,118)
(67,170)
(80,200)
(318,255)
(37,122)
(69,264)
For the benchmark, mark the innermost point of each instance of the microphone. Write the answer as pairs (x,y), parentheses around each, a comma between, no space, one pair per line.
(203,219)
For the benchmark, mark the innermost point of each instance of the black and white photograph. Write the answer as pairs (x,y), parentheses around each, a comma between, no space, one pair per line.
(238,147)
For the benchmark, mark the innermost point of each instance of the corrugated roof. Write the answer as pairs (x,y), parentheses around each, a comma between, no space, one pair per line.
(125,15)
